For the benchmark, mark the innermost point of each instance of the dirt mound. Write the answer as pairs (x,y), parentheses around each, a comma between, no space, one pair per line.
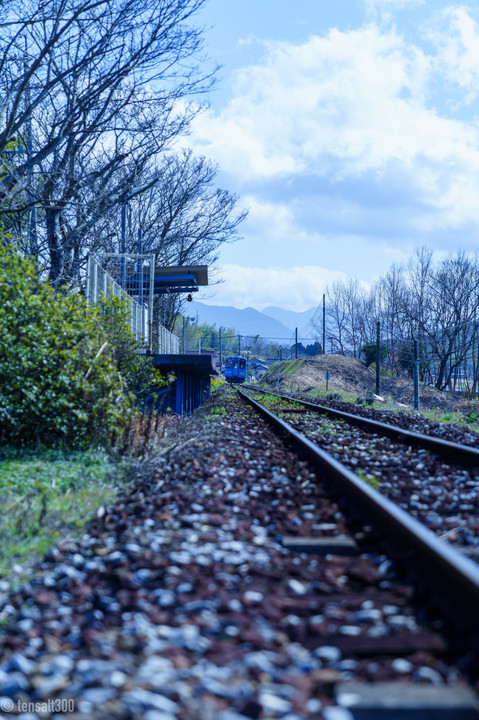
(345,373)
(351,375)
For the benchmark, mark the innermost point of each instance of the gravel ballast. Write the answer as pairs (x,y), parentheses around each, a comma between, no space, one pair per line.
(180,601)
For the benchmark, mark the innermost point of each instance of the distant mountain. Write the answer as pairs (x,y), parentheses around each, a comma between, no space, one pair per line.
(245,322)
(273,322)
(292,319)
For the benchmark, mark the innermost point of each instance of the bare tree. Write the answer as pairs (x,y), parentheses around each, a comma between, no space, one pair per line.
(417,300)
(91,91)
(336,317)
(185,218)
(391,291)
(454,304)
(437,304)
(345,306)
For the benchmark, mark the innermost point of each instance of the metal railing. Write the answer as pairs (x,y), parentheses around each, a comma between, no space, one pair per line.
(155,337)
(163,341)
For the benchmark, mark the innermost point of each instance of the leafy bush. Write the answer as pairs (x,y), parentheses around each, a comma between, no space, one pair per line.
(136,369)
(58,380)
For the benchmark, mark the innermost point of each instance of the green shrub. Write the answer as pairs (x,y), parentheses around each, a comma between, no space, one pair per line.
(58,380)
(137,369)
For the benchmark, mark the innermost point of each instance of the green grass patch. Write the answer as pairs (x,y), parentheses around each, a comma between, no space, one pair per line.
(368,478)
(216,382)
(218,411)
(48,495)
(470,420)
(276,404)
(287,368)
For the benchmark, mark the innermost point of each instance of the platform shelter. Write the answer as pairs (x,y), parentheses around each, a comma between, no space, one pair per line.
(142,279)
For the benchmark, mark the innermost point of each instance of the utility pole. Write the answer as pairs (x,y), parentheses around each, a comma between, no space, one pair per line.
(239,344)
(296,344)
(140,286)
(378,356)
(416,375)
(139,269)
(123,246)
(221,357)
(32,241)
(324,323)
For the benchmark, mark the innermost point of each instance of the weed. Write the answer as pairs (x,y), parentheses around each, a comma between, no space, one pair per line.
(327,427)
(277,404)
(218,411)
(342,395)
(368,478)
(216,382)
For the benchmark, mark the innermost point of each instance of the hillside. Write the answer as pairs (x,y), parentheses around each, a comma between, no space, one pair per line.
(351,375)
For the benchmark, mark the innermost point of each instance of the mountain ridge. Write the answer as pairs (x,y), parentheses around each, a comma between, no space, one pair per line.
(249,321)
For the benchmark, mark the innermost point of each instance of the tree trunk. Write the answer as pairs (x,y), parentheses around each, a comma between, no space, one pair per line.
(55,247)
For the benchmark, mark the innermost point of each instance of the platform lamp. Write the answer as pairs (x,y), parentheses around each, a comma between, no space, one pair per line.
(183,330)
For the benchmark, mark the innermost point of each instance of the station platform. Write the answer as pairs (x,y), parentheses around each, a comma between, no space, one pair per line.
(192,385)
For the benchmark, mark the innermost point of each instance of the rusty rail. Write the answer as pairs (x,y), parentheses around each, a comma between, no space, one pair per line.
(451,579)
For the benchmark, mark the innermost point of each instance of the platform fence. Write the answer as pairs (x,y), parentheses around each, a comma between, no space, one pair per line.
(102,282)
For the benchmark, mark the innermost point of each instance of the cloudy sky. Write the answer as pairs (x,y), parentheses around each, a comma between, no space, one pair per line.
(350,130)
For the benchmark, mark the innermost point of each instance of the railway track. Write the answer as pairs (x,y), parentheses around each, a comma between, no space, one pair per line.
(457,452)
(434,479)
(182,600)
(440,570)
(454,579)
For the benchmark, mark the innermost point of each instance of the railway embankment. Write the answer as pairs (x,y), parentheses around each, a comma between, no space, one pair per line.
(350,377)
(183,600)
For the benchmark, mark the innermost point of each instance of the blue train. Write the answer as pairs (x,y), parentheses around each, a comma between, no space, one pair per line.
(235,369)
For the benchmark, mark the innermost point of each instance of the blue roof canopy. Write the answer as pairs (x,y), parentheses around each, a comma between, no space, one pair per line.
(175,279)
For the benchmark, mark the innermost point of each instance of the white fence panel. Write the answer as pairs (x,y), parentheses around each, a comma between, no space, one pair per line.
(100,282)
(164,342)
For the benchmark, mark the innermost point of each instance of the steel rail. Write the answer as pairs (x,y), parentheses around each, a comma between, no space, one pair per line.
(454,452)
(435,565)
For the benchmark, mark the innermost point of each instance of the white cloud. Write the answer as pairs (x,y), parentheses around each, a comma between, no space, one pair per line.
(266,218)
(339,96)
(347,104)
(272,223)
(295,288)
(456,34)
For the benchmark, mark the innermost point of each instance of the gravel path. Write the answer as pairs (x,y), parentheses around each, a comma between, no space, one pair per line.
(180,602)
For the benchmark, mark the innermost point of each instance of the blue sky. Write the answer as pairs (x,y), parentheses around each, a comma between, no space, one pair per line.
(349,129)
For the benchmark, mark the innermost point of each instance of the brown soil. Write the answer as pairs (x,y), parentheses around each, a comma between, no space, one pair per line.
(352,375)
